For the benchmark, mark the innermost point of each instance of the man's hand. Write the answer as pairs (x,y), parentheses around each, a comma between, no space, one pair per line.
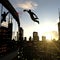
(24,10)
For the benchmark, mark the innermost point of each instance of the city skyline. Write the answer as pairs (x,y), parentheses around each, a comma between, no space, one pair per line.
(46,10)
(31,41)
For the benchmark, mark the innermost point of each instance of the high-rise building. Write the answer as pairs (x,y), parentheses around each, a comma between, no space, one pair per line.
(10,24)
(59,30)
(5,38)
(20,33)
(59,27)
(6,33)
(35,36)
(20,43)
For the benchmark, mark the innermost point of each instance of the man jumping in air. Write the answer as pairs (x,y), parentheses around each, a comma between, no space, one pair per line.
(32,15)
(4,16)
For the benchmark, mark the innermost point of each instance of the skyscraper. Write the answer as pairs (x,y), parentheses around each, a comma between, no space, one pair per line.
(20,33)
(6,32)
(5,38)
(59,27)
(35,36)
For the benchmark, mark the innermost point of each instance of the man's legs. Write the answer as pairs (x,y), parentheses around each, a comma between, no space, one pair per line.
(3,20)
(36,21)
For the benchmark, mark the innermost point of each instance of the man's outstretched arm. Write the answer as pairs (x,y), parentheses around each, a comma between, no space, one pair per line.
(7,13)
(25,10)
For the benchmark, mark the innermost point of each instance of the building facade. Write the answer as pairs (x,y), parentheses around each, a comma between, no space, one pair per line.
(35,36)
(5,38)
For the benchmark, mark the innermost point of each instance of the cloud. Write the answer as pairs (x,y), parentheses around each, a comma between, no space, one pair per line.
(5,24)
(28,5)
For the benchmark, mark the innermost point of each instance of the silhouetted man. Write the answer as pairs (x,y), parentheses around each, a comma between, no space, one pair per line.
(4,16)
(32,15)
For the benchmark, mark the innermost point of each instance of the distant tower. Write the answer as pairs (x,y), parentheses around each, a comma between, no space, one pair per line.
(35,36)
(10,24)
(21,33)
(20,44)
(59,27)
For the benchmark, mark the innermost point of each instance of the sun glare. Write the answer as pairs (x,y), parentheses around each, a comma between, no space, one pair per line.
(48,37)
(47,29)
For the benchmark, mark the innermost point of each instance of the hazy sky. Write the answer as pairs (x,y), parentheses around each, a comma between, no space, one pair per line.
(46,10)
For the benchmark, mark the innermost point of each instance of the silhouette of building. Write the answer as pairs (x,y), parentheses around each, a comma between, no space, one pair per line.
(10,24)
(35,36)
(59,26)
(6,32)
(39,50)
(20,43)
(20,33)
(5,38)
(59,29)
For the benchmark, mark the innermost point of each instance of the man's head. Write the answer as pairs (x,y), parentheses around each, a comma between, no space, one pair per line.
(29,10)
